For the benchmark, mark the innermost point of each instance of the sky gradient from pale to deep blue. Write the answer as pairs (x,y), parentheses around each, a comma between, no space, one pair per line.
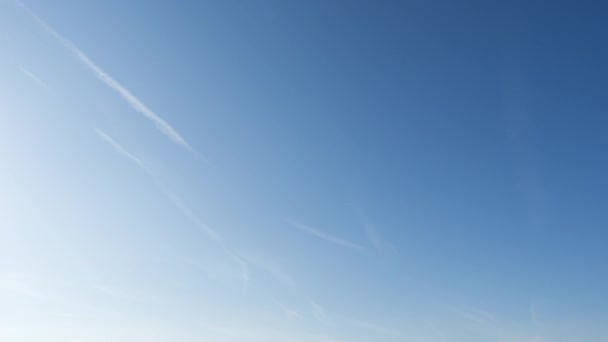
(303,171)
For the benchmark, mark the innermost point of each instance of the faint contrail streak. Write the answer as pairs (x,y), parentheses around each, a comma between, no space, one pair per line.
(135,103)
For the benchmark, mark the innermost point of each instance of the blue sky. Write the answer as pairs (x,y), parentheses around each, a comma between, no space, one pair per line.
(303,171)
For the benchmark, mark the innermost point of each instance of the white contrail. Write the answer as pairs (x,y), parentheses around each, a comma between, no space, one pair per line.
(327,237)
(119,148)
(178,203)
(163,126)
(33,77)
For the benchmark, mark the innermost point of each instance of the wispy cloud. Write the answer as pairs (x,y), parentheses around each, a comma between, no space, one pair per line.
(183,208)
(270,266)
(533,313)
(476,315)
(213,234)
(327,237)
(287,311)
(319,313)
(379,244)
(135,103)
(119,148)
(33,77)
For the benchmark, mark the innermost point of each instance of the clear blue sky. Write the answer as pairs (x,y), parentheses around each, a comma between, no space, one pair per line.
(303,171)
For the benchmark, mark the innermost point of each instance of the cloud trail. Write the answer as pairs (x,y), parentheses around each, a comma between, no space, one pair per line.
(119,148)
(376,240)
(327,237)
(164,127)
(212,233)
(476,315)
(287,311)
(270,266)
(33,77)
(179,204)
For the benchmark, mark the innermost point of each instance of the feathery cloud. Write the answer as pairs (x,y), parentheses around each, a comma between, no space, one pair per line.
(135,103)
(327,237)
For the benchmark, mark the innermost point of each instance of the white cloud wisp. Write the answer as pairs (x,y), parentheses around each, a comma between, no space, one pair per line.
(33,77)
(178,203)
(164,127)
(327,237)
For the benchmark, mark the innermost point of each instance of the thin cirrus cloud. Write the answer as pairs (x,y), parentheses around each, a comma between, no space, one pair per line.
(376,240)
(213,235)
(33,77)
(327,237)
(135,103)
(270,266)
(178,203)
(287,311)
(119,148)
(478,316)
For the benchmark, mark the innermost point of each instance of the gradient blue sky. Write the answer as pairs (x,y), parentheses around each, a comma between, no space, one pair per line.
(303,171)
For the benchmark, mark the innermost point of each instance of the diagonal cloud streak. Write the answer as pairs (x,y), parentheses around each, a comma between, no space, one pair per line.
(178,203)
(212,233)
(477,316)
(380,245)
(327,237)
(33,77)
(320,314)
(270,266)
(164,127)
(119,148)
(287,311)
